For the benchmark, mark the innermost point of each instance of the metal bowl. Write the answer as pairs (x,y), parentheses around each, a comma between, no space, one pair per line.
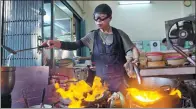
(7,80)
(39,106)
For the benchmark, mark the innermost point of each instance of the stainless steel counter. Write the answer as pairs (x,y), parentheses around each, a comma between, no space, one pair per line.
(168,71)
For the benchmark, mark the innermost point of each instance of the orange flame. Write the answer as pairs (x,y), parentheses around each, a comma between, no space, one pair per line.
(148,97)
(76,92)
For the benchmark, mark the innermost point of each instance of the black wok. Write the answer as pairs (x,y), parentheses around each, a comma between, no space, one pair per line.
(154,83)
(7,80)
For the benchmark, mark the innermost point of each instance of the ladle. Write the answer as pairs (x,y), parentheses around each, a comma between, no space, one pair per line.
(15,52)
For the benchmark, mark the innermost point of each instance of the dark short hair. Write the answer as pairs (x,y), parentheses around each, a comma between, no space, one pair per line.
(164,40)
(104,9)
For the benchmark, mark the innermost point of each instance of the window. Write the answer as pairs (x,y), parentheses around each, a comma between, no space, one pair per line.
(65,28)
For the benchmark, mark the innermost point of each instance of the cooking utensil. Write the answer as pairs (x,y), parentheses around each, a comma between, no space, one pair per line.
(184,54)
(43,95)
(138,76)
(7,80)
(15,52)
(8,49)
(133,68)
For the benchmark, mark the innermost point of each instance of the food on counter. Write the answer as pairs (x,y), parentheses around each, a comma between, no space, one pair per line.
(154,56)
(176,62)
(156,64)
(175,59)
(163,59)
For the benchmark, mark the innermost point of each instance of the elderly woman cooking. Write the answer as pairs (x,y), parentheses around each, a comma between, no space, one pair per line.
(110,48)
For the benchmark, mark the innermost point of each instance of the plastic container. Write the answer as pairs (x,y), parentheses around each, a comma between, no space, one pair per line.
(154,56)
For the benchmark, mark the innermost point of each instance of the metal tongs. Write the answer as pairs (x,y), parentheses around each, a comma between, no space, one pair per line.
(137,72)
(15,52)
(183,54)
(134,68)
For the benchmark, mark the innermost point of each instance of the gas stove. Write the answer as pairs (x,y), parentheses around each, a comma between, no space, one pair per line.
(188,100)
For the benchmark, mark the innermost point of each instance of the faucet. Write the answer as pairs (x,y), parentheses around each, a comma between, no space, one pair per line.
(138,76)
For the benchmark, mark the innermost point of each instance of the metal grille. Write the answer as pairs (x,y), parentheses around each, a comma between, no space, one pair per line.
(21,29)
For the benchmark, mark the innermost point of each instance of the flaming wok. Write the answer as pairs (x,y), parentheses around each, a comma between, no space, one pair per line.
(82,95)
(152,90)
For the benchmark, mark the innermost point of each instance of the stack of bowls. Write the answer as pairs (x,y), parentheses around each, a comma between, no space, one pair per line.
(155,59)
(175,60)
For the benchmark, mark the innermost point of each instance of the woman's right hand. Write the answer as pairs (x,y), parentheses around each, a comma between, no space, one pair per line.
(52,44)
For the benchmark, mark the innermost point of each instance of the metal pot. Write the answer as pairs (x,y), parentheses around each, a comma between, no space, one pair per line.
(7,80)
(38,106)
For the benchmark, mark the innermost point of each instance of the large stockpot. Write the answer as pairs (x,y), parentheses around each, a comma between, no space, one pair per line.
(7,80)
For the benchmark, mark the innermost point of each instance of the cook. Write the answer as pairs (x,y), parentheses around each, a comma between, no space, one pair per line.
(110,48)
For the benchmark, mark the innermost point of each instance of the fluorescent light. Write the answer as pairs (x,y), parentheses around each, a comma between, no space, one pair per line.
(133,2)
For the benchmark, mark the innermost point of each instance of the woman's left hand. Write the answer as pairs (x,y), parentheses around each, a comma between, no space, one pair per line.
(135,61)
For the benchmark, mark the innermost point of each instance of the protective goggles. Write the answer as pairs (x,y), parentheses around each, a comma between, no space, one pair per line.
(100,19)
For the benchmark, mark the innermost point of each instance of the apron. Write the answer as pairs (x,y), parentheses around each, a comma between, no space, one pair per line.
(109,61)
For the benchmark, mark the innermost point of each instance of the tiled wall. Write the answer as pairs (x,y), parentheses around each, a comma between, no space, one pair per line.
(146,46)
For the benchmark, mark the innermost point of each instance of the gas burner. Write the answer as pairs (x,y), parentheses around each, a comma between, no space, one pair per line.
(188,89)
(187,102)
